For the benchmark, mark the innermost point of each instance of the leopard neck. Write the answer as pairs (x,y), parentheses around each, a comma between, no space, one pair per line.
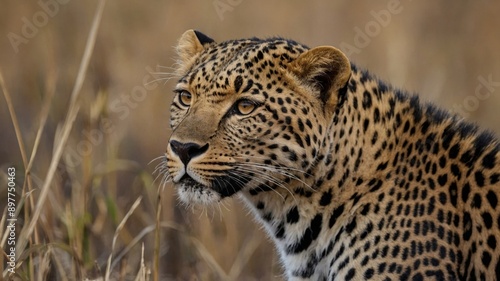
(359,132)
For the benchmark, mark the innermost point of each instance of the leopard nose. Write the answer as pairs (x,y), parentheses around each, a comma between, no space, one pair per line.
(187,151)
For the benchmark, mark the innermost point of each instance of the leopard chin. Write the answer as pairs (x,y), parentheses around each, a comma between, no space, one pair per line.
(192,192)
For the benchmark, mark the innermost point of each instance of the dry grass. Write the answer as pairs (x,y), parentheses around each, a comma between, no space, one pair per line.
(98,214)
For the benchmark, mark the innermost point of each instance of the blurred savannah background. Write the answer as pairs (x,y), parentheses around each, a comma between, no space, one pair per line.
(87,205)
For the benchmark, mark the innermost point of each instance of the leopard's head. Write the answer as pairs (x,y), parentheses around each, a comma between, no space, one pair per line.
(249,114)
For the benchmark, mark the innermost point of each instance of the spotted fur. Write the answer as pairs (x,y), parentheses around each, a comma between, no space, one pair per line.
(352,179)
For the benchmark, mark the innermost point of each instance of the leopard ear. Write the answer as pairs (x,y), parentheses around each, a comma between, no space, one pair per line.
(326,70)
(191,43)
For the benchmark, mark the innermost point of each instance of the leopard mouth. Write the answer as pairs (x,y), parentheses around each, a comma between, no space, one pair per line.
(189,184)
(189,181)
(222,186)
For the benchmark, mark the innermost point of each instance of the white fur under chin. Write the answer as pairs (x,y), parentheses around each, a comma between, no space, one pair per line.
(196,196)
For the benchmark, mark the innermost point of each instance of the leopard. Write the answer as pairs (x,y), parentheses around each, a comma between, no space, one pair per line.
(351,178)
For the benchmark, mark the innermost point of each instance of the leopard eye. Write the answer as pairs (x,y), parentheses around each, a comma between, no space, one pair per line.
(245,107)
(185,98)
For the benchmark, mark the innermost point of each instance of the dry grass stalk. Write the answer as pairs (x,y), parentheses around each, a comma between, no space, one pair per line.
(66,129)
(117,232)
(143,273)
(156,262)
(13,117)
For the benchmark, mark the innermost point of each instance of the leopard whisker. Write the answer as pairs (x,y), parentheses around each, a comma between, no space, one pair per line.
(264,178)
(277,170)
(277,164)
(166,78)
(162,157)
(237,178)
(264,182)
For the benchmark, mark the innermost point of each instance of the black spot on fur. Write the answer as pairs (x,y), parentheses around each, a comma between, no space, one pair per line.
(454,150)
(490,159)
(366,122)
(442,179)
(326,198)
(310,234)
(367,100)
(479,177)
(248,86)
(293,215)
(424,127)
(492,242)
(497,270)
(492,199)
(476,201)
(298,140)
(238,81)
(417,277)
(465,192)
(467,224)
(486,259)
(447,136)
(487,219)
(494,178)
(350,274)
(335,215)
(369,273)
(351,225)
(260,55)
(280,231)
